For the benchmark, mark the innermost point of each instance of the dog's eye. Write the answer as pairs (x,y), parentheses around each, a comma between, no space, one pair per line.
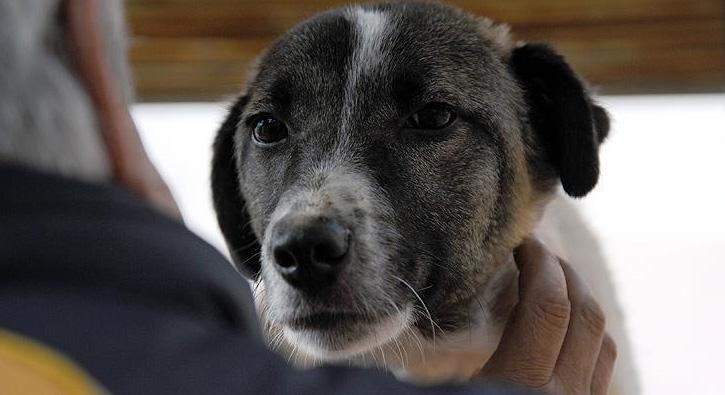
(268,130)
(432,116)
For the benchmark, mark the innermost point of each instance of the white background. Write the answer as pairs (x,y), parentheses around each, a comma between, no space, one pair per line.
(659,210)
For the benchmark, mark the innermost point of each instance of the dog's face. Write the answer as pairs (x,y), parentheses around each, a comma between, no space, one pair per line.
(383,162)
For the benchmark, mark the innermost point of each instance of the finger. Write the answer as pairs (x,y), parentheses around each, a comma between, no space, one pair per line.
(533,337)
(580,350)
(604,367)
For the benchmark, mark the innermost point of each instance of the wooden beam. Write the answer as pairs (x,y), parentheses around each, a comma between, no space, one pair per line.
(200,49)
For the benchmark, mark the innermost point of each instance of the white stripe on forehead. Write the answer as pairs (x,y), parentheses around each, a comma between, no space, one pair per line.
(370,27)
(367,54)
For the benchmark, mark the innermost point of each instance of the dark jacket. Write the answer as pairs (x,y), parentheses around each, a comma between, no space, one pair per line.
(141,303)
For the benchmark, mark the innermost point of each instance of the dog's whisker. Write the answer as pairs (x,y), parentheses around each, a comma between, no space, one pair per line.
(304,360)
(403,361)
(425,288)
(382,354)
(375,359)
(484,311)
(430,317)
(257,284)
(292,353)
(274,343)
(277,341)
(250,244)
(250,258)
(419,343)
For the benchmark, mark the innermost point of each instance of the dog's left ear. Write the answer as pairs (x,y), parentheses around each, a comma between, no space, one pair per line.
(231,210)
(562,114)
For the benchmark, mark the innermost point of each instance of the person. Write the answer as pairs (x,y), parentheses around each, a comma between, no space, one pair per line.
(103,288)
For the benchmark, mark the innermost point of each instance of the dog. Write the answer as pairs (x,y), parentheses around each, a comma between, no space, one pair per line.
(378,170)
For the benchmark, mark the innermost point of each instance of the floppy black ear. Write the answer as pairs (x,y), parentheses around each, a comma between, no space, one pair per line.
(231,211)
(562,114)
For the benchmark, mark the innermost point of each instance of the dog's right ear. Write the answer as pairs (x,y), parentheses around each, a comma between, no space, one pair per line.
(230,207)
(563,115)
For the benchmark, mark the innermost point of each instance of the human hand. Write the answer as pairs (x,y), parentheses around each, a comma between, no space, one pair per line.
(555,340)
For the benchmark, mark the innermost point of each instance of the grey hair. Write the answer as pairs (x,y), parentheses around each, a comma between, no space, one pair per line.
(47,121)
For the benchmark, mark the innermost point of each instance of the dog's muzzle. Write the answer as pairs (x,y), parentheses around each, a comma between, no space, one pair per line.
(309,251)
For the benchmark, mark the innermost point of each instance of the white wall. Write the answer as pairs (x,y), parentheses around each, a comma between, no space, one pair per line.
(659,210)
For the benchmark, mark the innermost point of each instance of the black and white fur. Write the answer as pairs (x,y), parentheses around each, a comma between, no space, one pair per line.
(434,217)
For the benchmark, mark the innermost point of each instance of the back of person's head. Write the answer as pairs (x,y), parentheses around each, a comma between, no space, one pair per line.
(47,121)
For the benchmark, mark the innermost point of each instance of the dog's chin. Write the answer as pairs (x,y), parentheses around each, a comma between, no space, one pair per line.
(344,336)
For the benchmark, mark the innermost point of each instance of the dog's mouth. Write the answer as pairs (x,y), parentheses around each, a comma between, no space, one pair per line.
(327,321)
(341,335)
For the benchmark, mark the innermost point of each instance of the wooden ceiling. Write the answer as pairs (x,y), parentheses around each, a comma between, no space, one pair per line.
(196,50)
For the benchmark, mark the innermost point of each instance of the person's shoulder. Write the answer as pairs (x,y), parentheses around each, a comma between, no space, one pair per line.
(60,231)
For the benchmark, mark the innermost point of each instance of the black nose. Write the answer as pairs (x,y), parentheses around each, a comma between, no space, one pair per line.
(309,251)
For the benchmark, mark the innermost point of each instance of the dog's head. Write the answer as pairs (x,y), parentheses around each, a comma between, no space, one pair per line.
(383,162)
